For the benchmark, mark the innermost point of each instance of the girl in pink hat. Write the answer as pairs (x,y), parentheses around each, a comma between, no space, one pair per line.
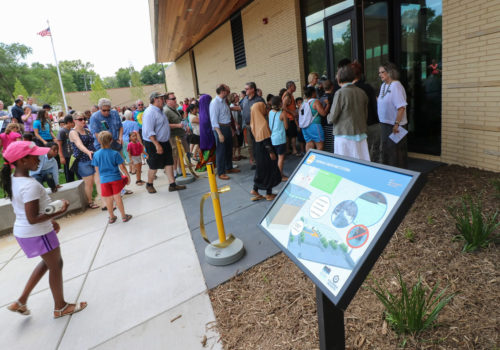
(34,230)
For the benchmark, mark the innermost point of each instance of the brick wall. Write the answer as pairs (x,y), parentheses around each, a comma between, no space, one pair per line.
(471,83)
(179,77)
(80,100)
(273,50)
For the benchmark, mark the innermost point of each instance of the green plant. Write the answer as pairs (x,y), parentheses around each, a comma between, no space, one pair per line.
(475,227)
(414,309)
(409,234)
(430,219)
(496,186)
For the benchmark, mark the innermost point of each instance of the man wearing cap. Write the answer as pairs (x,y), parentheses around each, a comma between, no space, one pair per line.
(220,117)
(156,136)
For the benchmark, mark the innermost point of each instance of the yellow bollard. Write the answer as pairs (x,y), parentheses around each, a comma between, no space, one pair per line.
(216,202)
(180,154)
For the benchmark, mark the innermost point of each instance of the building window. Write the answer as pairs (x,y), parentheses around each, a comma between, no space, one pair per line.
(240,58)
(421,67)
(314,12)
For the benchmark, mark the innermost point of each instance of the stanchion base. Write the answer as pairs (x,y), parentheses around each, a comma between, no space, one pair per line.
(185,180)
(224,256)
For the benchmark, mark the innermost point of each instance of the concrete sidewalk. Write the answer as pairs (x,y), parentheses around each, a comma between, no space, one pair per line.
(138,278)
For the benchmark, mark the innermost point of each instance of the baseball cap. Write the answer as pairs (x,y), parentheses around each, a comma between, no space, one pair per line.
(156,95)
(20,149)
(46,106)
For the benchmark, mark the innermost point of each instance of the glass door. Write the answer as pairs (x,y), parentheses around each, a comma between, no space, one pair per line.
(342,43)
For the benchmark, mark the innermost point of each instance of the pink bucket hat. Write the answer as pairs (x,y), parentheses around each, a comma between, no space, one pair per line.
(20,149)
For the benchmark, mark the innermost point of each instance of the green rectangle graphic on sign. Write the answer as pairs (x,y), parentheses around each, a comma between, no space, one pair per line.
(326,181)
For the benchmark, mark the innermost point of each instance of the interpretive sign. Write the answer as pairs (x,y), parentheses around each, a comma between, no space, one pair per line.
(335,216)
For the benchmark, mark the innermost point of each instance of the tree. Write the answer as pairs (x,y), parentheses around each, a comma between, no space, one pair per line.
(98,91)
(10,67)
(152,74)
(81,74)
(137,90)
(19,89)
(123,77)
(110,82)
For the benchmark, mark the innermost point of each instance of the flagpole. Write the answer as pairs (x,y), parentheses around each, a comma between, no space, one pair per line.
(58,72)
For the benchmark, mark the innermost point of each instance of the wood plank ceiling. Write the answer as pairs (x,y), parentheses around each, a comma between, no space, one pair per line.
(183,23)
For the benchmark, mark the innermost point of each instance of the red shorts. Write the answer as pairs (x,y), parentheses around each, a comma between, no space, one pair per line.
(111,188)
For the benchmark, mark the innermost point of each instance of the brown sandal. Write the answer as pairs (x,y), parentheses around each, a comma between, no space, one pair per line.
(112,220)
(19,308)
(257,198)
(127,218)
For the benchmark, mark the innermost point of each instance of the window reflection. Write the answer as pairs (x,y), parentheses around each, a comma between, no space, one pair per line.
(421,66)
(376,40)
(316,53)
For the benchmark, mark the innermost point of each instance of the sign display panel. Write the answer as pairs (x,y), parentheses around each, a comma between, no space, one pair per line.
(331,215)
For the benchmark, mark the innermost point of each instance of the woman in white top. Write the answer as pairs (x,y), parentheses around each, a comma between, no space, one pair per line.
(35,231)
(194,123)
(391,105)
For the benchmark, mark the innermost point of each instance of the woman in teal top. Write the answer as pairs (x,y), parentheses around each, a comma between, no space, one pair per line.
(42,129)
(278,123)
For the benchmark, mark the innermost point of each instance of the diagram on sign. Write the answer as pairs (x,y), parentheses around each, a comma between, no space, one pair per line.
(326,226)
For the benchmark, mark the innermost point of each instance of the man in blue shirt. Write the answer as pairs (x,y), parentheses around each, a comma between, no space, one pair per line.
(220,117)
(107,119)
(156,135)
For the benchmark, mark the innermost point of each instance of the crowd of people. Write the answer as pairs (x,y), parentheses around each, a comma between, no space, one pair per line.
(343,117)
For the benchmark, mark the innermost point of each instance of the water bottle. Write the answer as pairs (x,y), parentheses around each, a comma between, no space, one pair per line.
(54,207)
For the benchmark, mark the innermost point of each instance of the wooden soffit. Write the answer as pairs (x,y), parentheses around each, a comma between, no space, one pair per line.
(181,24)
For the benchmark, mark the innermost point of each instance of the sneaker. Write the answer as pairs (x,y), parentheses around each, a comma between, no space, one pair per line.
(150,188)
(176,188)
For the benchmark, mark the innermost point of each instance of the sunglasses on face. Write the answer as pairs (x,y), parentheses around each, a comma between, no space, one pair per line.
(80,119)
(105,110)
(140,105)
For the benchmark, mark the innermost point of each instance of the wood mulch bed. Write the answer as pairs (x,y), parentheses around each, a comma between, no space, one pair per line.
(272,305)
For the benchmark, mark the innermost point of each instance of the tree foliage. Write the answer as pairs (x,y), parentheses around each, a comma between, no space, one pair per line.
(123,77)
(98,91)
(152,74)
(137,90)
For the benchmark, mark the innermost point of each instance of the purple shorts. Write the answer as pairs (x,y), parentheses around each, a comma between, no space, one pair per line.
(37,246)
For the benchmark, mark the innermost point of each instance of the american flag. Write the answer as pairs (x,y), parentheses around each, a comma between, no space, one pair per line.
(45,32)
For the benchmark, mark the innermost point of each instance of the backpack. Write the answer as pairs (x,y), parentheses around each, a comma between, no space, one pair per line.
(306,116)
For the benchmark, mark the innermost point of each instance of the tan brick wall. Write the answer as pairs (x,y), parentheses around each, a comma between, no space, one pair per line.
(471,83)
(80,100)
(273,50)
(179,76)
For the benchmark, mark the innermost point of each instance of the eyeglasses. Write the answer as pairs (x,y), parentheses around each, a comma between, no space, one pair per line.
(105,110)
(172,99)
(140,105)
(80,119)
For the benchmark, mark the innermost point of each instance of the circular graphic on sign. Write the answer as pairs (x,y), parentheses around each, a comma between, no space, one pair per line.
(371,208)
(357,236)
(319,207)
(344,213)
(297,227)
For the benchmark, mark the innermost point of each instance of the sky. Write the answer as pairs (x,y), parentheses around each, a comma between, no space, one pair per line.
(110,34)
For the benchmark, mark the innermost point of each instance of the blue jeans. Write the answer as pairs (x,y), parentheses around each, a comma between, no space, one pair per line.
(45,176)
(224,150)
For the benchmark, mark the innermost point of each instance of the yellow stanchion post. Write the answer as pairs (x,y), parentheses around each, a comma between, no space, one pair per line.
(216,203)
(180,153)
(226,250)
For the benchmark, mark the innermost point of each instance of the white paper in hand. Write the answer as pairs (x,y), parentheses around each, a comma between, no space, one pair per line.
(399,136)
